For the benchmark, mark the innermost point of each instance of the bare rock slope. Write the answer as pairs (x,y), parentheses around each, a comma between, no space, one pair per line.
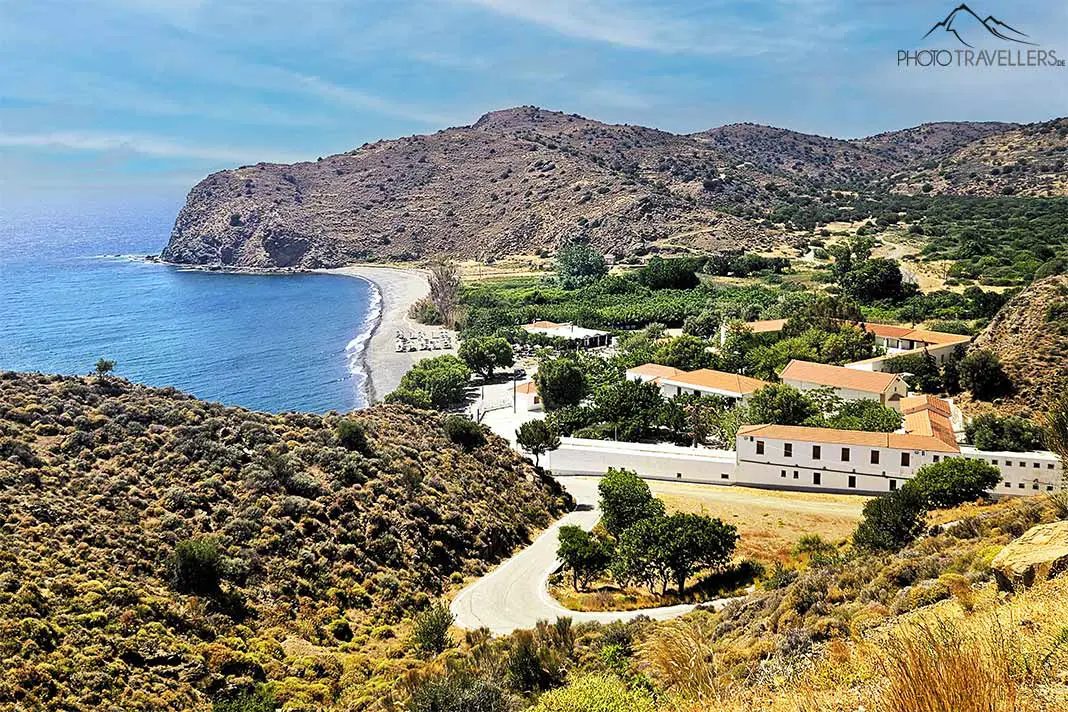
(521,179)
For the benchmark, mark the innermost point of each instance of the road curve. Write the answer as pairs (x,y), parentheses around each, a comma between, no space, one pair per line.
(515,595)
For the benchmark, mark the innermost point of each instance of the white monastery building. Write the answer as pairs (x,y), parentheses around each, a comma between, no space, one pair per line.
(847,383)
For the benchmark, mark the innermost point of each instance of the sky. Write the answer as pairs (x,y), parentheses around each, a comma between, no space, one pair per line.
(149,96)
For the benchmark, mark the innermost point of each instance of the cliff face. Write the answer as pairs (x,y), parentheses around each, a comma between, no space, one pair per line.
(521,179)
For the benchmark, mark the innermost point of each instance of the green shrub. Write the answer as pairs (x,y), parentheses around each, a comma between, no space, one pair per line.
(258,699)
(415,397)
(953,481)
(444,379)
(423,311)
(993,432)
(458,692)
(351,435)
(596,693)
(982,374)
(430,630)
(891,521)
(464,432)
(197,565)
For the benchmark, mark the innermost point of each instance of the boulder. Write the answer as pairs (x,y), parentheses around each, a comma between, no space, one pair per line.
(1040,554)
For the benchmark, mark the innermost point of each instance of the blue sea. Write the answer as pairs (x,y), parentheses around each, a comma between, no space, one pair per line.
(71,292)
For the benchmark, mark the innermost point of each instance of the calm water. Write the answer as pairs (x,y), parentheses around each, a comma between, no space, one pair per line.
(264,342)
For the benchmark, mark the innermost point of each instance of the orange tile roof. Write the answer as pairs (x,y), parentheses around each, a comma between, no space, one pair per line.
(900,441)
(718,380)
(934,338)
(766,326)
(528,387)
(544,324)
(838,376)
(912,404)
(887,330)
(655,370)
(928,415)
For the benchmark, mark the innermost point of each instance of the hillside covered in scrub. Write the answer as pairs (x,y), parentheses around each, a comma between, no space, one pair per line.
(523,179)
(158,552)
(1030,336)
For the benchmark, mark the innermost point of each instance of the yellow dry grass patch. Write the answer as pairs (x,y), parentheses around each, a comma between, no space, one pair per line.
(994,654)
(770,522)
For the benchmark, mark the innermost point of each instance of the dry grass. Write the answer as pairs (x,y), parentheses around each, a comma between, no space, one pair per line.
(770,522)
(1006,655)
(680,656)
(941,666)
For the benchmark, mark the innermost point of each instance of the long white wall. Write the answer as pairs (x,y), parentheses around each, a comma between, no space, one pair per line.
(1024,473)
(578,456)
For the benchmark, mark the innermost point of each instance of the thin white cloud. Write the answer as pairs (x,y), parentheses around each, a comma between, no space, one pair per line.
(357,98)
(141,144)
(716,28)
(616,24)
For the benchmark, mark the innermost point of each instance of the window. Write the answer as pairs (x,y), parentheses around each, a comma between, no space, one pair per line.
(725,476)
(1008,484)
(1035,464)
(1008,463)
(816,452)
(1049,466)
(937,458)
(845,454)
(787,449)
(795,474)
(905,459)
(852,481)
(893,485)
(760,447)
(816,478)
(875,457)
(1021,485)
(678,475)
(782,473)
(994,462)
(1034,485)
(1049,488)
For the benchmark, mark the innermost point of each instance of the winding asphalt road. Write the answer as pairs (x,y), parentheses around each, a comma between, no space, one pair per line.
(515,595)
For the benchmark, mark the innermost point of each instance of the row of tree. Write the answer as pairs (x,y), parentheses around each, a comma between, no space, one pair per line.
(638,543)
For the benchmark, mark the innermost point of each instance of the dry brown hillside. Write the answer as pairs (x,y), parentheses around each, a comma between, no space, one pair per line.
(522,179)
(1028,160)
(1030,334)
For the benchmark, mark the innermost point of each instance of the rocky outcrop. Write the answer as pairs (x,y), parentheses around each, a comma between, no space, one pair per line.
(515,181)
(1030,336)
(1040,554)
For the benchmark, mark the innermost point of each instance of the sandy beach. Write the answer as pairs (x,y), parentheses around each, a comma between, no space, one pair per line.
(399,288)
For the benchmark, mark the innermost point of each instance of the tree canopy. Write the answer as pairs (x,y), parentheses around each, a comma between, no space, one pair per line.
(486,354)
(578,264)
(561,382)
(626,500)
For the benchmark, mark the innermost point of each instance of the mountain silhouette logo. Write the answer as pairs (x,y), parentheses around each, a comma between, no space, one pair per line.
(960,20)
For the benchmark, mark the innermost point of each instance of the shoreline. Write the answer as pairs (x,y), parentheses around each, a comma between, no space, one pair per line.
(398,288)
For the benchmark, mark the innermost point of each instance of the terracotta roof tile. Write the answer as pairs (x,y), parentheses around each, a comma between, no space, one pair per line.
(900,441)
(838,376)
(718,380)
(655,370)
